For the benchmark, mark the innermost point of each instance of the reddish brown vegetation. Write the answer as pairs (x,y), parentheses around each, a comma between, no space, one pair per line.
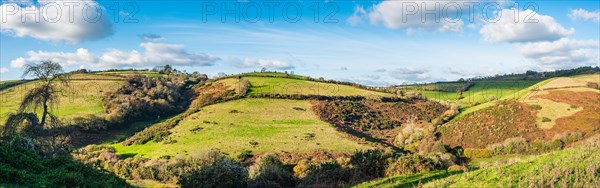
(374,119)
(511,119)
(586,121)
(491,125)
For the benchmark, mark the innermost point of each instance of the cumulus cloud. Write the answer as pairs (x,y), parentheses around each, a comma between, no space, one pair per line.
(69,21)
(260,63)
(344,68)
(153,54)
(379,70)
(413,15)
(3,70)
(151,37)
(585,15)
(563,53)
(410,74)
(516,26)
(66,59)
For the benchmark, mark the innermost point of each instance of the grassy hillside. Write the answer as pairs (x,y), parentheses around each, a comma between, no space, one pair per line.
(11,83)
(259,125)
(84,96)
(575,167)
(540,112)
(269,85)
(483,91)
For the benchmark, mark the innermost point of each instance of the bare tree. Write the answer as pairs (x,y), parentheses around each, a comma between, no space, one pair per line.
(50,75)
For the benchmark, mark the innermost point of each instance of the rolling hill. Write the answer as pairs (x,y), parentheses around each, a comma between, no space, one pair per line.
(326,122)
(553,107)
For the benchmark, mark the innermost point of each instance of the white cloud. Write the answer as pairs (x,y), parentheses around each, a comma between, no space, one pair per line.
(563,53)
(70,21)
(3,70)
(411,15)
(358,15)
(379,70)
(66,59)
(260,63)
(581,14)
(154,54)
(410,74)
(513,25)
(151,37)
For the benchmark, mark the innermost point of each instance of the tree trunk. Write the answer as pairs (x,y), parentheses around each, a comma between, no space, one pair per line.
(44,114)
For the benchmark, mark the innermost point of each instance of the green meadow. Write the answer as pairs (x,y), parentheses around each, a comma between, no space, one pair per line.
(267,85)
(257,125)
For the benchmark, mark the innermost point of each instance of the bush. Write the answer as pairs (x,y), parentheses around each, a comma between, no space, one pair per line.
(89,122)
(24,168)
(331,174)
(371,162)
(535,107)
(510,146)
(592,85)
(545,119)
(477,153)
(270,172)
(222,173)
(409,164)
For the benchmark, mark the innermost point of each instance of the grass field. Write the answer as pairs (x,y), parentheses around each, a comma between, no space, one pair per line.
(484,91)
(266,85)
(258,125)
(81,98)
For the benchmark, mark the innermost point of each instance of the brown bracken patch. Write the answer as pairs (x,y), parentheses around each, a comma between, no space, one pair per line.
(586,121)
(507,119)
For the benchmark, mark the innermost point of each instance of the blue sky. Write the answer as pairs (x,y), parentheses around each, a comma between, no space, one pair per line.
(370,42)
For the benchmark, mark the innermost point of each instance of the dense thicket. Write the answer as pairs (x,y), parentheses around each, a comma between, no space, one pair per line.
(145,97)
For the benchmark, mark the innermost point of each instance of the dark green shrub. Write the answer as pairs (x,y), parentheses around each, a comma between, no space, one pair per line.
(24,168)
(269,171)
(332,174)
(222,173)
(409,164)
(535,107)
(545,119)
(370,162)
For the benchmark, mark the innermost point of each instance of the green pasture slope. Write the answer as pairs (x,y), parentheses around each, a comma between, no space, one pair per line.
(574,167)
(258,125)
(84,96)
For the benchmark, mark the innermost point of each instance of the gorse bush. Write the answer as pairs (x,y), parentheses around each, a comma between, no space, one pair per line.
(409,164)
